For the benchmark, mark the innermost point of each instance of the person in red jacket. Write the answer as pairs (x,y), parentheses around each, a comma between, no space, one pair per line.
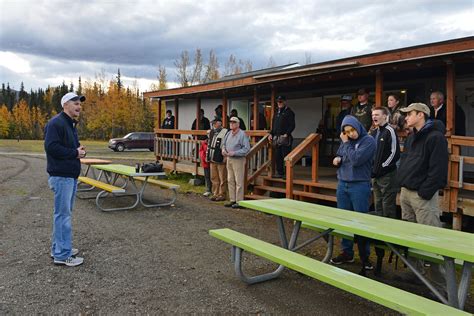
(206,166)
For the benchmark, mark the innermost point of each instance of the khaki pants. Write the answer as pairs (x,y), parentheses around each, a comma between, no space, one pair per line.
(418,210)
(219,179)
(235,178)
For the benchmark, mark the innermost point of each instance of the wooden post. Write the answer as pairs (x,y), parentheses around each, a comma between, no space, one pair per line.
(289,179)
(176,121)
(378,88)
(255,110)
(450,98)
(453,192)
(198,119)
(224,110)
(272,114)
(272,101)
(160,144)
(198,112)
(315,162)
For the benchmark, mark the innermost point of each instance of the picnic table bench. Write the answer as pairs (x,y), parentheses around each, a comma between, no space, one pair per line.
(111,173)
(448,244)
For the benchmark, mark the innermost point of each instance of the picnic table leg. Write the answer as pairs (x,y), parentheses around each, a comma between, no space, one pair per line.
(451,285)
(419,275)
(237,259)
(142,190)
(464,283)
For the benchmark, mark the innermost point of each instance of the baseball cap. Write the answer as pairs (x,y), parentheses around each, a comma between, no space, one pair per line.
(362,91)
(235,119)
(346,97)
(281,98)
(71,96)
(420,107)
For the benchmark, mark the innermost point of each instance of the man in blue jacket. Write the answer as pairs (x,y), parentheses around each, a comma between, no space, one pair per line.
(63,153)
(355,159)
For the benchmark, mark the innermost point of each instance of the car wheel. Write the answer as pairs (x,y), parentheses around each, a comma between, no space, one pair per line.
(120,147)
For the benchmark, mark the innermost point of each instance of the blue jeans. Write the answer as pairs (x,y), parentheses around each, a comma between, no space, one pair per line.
(353,196)
(64,193)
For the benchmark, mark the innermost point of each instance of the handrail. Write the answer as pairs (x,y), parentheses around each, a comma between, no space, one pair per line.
(250,133)
(310,142)
(257,160)
(297,153)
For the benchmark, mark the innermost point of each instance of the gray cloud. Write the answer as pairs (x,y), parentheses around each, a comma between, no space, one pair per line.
(80,38)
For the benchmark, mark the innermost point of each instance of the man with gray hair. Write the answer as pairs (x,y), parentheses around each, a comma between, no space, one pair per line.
(236,146)
(439,108)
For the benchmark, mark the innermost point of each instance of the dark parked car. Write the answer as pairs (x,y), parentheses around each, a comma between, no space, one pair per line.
(135,140)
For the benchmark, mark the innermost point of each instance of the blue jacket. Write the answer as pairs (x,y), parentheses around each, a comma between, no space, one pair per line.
(357,155)
(61,143)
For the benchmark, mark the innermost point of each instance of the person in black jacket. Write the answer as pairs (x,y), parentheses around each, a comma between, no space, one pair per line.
(168,123)
(423,172)
(282,127)
(234,113)
(384,172)
(204,124)
(63,154)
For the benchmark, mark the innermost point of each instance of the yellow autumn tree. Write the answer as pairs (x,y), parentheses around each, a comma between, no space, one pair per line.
(21,120)
(4,122)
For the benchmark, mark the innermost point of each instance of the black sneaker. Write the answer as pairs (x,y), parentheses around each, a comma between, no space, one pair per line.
(230,204)
(368,266)
(342,258)
(236,205)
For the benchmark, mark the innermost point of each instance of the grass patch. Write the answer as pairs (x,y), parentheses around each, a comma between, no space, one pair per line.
(182,179)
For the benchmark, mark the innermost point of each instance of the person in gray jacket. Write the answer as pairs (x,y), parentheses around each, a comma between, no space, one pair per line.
(236,146)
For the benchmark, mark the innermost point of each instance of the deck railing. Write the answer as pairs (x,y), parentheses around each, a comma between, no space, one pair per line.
(455,204)
(257,160)
(310,143)
(178,150)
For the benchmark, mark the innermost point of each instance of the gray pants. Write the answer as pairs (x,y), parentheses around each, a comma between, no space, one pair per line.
(418,210)
(385,191)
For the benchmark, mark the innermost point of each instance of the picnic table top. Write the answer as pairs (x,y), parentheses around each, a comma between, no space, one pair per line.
(94,161)
(126,170)
(436,240)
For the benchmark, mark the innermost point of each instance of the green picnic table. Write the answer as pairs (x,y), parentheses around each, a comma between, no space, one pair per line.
(447,243)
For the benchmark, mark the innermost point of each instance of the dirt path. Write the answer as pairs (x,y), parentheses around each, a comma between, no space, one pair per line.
(141,261)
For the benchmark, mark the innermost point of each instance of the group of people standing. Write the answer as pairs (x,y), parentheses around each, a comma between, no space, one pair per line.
(369,157)
(223,152)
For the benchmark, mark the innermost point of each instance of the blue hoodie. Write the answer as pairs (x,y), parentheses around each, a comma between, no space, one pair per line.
(357,155)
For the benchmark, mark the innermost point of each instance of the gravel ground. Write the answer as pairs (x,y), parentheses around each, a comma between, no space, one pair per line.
(145,261)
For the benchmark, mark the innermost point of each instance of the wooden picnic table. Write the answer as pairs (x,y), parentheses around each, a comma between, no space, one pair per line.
(93,161)
(112,172)
(449,244)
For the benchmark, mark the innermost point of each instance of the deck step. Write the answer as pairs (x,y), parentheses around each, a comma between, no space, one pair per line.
(319,184)
(317,196)
(256,197)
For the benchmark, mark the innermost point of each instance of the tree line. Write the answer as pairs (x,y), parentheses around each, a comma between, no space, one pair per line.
(110,109)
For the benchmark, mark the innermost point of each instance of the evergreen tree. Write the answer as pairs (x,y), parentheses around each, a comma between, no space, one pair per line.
(119,80)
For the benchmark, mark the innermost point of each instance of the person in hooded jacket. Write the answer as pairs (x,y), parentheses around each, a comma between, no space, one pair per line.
(422,173)
(355,159)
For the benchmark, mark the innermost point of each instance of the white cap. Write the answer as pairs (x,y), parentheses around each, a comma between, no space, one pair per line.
(71,96)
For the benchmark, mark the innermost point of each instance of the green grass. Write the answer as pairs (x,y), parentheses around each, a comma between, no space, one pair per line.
(99,149)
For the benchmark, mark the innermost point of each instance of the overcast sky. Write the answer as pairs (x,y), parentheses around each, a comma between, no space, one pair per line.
(45,42)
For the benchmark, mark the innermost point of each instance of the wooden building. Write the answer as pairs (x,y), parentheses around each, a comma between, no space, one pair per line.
(313,92)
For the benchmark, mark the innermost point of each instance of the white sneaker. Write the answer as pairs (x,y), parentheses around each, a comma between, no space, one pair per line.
(74,252)
(206,194)
(70,262)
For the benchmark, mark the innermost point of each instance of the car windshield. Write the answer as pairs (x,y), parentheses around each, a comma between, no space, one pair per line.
(128,135)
